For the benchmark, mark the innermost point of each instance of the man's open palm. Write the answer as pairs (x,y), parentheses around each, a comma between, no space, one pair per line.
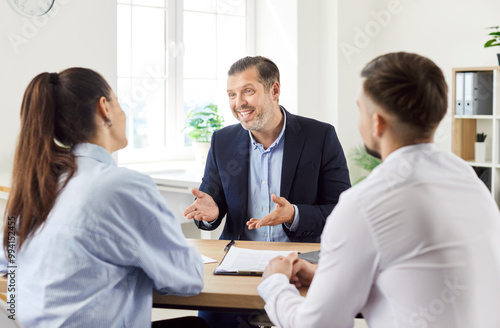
(203,209)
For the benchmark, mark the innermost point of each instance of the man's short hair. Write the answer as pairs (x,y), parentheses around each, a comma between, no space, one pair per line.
(268,71)
(409,86)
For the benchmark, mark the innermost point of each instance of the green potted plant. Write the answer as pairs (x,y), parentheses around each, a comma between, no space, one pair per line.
(495,41)
(201,124)
(365,161)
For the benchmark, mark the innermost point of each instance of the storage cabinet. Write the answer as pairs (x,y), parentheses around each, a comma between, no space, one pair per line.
(465,127)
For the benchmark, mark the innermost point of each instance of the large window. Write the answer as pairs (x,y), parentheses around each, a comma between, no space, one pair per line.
(173,55)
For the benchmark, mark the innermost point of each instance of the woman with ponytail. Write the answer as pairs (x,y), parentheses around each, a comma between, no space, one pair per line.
(92,239)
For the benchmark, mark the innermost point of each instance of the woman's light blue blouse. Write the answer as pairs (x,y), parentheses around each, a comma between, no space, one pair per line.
(108,241)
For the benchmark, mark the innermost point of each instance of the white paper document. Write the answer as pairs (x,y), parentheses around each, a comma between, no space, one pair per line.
(207,259)
(245,261)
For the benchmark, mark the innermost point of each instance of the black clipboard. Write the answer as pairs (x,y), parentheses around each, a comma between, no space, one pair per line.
(312,257)
(236,273)
(253,269)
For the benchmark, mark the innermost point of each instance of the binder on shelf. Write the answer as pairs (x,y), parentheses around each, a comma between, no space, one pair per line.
(459,93)
(468,77)
(478,93)
(483,94)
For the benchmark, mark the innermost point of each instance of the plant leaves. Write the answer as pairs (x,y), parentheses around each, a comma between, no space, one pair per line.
(361,158)
(481,137)
(491,43)
(202,123)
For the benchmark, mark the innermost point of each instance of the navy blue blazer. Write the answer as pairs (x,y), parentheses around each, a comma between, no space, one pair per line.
(313,176)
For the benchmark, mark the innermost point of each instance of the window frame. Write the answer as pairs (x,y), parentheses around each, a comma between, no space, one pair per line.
(174,118)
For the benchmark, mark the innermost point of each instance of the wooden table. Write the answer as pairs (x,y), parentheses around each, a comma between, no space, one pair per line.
(3,288)
(223,292)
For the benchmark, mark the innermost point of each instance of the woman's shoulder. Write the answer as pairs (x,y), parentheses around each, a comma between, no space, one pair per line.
(124,178)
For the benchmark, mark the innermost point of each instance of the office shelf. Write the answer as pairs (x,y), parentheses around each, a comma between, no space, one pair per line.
(476,117)
(480,164)
(465,128)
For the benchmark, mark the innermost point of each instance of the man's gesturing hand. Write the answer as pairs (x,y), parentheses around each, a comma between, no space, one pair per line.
(203,208)
(283,213)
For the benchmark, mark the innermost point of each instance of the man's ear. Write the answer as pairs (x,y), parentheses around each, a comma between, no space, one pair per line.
(103,109)
(275,89)
(379,124)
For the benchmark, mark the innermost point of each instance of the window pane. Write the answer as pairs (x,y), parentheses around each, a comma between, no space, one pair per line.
(148,40)
(214,36)
(223,103)
(124,45)
(148,114)
(197,94)
(231,7)
(231,42)
(124,91)
(200,44)
(200,5)
(144,105)
(155,3)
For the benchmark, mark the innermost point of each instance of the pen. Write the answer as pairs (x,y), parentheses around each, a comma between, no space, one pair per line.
(231,243)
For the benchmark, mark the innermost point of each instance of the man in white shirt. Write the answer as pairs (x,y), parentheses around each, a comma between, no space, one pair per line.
(417,243)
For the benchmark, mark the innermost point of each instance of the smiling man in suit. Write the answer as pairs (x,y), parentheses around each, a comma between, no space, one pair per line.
(277,176)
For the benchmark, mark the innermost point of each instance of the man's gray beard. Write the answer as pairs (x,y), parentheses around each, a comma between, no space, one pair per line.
(260,122)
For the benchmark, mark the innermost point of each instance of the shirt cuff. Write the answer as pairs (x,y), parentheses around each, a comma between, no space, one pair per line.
(296,219)
(208,224)
(277,287)
(271,285)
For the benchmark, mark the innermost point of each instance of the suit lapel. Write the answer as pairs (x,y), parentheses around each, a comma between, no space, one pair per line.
(237,169)
(294,143)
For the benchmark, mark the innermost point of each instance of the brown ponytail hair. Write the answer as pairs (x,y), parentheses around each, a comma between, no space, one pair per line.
(58,111)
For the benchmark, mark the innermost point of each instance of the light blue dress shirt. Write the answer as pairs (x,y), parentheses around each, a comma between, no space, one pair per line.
(264,179)
(108,241)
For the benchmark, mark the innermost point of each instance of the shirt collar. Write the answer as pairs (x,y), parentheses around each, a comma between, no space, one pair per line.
(93,151)
(403,151)
(256,145)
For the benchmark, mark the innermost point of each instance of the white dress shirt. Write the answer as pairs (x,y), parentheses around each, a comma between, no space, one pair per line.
(107,242)
(416,244)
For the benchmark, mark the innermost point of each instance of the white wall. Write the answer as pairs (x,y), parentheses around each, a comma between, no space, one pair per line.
(276,38)
(75,33)
(317,60)
(450,32)
(302,36)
